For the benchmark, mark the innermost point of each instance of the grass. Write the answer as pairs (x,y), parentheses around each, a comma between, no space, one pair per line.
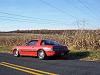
(84,44)
(79,40)
(85,55)
(5,49)
(94,55)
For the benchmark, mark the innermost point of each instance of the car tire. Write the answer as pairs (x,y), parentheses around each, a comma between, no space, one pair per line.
(16,53)
(41,54)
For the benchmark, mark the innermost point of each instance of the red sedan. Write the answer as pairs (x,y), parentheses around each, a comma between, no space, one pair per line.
(40,48)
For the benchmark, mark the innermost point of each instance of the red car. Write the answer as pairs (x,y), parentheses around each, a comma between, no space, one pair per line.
(40,48)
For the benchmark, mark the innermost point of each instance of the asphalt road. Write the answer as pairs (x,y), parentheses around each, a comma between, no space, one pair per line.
(10,65)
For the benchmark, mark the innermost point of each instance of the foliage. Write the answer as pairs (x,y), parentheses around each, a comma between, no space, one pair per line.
(75,39)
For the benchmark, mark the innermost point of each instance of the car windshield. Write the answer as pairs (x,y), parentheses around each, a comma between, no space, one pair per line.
(50,42)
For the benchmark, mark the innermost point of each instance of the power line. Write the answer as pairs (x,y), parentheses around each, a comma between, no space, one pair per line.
(10,19)
(16,18)
(22,20)
(73,5)
(60,10)
(85,5)
(19,19)
(30,18)
(79,22)
(22,16)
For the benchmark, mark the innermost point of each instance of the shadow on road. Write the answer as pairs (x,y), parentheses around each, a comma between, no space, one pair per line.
(78,55)
(72,56)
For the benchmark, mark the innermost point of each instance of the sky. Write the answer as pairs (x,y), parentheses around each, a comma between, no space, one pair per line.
(49,14)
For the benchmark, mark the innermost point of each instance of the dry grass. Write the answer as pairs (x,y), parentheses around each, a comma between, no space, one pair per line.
(5,49)
(79,40)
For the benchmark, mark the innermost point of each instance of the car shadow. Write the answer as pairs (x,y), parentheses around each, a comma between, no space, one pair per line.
(72,56)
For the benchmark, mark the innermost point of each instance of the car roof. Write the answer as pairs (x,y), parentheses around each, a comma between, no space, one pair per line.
(42,39)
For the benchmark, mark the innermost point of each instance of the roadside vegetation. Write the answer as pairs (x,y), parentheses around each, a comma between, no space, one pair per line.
(5,49)
(78,41)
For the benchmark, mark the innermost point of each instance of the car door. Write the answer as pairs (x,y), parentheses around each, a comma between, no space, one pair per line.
(29,49)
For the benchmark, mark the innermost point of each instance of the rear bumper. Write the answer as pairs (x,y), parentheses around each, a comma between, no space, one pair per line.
(53,53)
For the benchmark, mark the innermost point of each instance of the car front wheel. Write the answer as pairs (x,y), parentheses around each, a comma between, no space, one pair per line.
(41,54)
(16,53)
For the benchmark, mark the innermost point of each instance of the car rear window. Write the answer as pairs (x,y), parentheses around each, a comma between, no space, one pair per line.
(50,42)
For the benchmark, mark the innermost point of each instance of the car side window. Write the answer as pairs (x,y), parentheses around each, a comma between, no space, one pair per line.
(31,43)
(43,42)
(46,42)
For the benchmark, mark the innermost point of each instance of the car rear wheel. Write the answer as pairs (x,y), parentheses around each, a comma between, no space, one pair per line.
(41,54)
(16,53)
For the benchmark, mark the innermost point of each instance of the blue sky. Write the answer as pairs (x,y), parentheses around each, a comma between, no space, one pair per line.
(49,14)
